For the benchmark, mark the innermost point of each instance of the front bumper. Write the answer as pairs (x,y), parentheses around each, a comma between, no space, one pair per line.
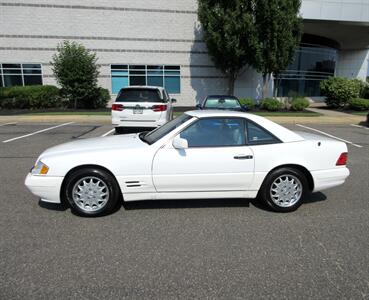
(326,179)
(45,187)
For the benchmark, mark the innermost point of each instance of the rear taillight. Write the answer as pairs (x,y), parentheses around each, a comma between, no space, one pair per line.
(342,160)
(159,107)
(118,107)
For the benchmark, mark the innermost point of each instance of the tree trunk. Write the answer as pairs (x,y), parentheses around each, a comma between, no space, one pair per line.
(231,80)
(266,81)
(277,82)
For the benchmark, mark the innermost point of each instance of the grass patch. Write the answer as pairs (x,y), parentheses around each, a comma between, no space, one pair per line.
(358,113)
(177,113)
(286,113)
(72,113)
(277,113)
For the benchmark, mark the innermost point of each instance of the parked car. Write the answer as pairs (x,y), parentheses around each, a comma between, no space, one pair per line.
(222,102)
(200,154)
(141,106)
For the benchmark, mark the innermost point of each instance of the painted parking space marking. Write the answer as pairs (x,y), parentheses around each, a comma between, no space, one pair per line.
(359,126)
(109,132)
(329,135)
(5,124)
(36,132)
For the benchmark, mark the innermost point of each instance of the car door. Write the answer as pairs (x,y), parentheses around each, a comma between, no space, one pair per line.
(217,158)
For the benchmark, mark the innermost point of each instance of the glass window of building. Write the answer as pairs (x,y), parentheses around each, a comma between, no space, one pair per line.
(168,77)
(20,74)
(314,61)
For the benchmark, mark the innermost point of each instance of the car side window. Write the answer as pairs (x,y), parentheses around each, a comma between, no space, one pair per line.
(215,132)
(257,135)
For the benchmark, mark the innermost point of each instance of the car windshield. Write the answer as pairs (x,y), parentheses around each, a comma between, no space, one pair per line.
(155,135)
(139,95)
(222,102)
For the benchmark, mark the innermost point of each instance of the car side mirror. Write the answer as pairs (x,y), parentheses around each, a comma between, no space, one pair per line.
(179,143)
(245,107)
(198,106)
(173,100)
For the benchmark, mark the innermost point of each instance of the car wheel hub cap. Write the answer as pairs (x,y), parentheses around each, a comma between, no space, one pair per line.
(90,193)
(286,190)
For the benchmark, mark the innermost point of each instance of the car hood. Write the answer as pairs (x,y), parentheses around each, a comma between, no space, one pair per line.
(127,141)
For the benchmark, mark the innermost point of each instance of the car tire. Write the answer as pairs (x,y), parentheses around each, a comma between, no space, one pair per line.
(284,189)
(92,192)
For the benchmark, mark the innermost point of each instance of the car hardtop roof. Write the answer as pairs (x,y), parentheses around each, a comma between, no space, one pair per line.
(282,133)
(205,113)
(143,87)
(221,96)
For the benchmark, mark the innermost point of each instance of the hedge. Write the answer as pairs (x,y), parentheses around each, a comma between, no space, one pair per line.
(30,97)
(299,104)
(45,96)
(339,90)
(359,104)
(248,102)
(271,104)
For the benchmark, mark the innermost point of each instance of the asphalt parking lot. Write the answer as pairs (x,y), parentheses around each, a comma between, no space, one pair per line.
(227,249)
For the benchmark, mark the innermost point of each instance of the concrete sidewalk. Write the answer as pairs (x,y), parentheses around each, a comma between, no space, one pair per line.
(328,117)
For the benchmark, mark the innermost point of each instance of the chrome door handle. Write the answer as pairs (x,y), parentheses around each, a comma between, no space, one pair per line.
(243,157)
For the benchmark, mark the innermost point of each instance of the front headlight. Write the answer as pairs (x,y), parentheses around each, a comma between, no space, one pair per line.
(39,169)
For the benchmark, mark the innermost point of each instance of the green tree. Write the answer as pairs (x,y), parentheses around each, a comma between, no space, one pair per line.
(230,35)
(76,72)
(279,29)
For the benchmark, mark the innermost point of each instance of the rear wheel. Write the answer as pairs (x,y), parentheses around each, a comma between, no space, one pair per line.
(284,189)
(92,192)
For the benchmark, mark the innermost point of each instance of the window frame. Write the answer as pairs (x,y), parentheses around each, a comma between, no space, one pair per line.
(246,134)
(244,120)
(146,75)
(21,73)
(276,140)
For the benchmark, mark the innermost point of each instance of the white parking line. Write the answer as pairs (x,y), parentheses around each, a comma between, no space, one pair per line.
(109,132)
(332,136)
(36,132)
(359,126)
(12,123)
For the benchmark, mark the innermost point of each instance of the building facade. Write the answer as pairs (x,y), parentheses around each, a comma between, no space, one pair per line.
(159,42)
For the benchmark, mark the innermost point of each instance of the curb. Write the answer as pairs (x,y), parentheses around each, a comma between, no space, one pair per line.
(106,120)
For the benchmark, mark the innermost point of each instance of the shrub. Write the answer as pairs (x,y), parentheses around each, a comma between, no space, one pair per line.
(361,86)
(359,104)
(299,104)
(100,99)
(339,91)
(33,97)
(271,104)
(365,92)
(76,71)
(247,102)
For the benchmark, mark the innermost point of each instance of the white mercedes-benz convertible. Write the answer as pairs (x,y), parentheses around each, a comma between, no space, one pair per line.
(201,154)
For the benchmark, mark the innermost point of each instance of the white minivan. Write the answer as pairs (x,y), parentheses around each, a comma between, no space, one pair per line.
(141,106)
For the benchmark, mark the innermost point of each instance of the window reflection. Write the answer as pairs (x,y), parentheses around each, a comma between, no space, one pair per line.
(310,66)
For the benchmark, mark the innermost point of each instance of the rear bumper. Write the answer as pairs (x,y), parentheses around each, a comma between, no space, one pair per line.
(45,187)
(326,179)
(117,122)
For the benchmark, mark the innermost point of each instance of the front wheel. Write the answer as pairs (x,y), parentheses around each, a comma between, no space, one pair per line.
(92,192)
(284,189)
